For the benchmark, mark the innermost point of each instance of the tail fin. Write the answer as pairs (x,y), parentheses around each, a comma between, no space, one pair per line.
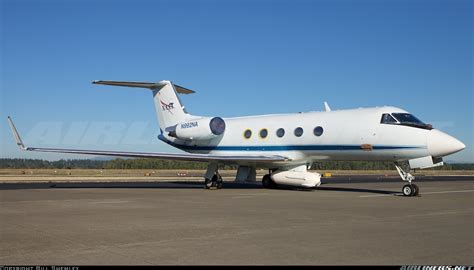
(168,106)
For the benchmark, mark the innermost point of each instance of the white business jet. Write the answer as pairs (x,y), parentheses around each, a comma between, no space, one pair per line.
(286,144)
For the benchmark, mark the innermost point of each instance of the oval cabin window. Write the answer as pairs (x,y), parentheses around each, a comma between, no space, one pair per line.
(247,134)
(318,131)
(280,132)
(298,132)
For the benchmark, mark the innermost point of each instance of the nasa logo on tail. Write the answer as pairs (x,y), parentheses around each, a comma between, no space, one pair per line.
(167,107)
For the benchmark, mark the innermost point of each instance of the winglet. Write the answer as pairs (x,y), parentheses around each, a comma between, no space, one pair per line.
(19,142)
(326,107)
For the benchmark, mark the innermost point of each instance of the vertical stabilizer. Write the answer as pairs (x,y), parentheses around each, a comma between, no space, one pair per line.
(169,109)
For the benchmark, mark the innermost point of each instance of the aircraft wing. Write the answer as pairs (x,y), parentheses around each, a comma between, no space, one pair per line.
(178,156)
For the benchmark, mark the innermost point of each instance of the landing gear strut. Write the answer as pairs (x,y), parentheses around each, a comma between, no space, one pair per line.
(408,189)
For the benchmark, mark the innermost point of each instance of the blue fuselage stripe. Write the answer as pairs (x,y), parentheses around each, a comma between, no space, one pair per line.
(336,147)
(288,147)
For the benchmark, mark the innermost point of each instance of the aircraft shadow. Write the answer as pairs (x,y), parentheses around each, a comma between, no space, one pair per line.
(133,185)
(176,185)
(361,190)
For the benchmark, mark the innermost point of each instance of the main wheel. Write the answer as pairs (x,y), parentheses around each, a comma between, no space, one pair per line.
(217,179)
(416,190)
(208,183)
(267,181)
(215,182)
(408,190)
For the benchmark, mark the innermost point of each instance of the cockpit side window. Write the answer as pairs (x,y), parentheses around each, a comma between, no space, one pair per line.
(387,119)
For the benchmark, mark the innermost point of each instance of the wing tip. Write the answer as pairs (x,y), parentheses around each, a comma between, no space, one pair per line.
(16,135)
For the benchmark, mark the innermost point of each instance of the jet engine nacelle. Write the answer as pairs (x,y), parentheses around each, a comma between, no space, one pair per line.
(199,129)
(295,178)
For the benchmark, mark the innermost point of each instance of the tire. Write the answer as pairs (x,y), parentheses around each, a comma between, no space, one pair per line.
(267,181)
(416,190)
(217,180)
(208,183)
(408,190)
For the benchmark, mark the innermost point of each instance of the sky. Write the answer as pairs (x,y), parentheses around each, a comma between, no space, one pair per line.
(241,57)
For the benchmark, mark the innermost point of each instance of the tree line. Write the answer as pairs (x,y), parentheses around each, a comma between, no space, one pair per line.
(147,163)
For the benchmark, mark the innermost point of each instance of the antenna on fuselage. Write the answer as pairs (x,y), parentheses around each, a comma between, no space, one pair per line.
(326,107)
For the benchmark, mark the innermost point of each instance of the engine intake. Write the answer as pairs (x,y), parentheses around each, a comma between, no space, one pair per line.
(199,129)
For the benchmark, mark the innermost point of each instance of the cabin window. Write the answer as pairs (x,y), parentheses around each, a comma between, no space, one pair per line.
(263,133)
(387,119)
(247,134)
(318,131)
(298,132)
(280,132)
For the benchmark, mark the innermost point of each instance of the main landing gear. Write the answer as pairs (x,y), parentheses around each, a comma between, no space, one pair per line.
(267,182)
(212,178)
(408,189)
(215,182)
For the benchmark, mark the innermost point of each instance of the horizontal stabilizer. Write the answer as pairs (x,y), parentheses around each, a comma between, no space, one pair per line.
(149,85)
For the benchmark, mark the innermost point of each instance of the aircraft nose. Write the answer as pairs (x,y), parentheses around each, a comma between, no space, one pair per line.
(441,144)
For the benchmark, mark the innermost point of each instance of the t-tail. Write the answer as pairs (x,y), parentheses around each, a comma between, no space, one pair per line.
(169,109)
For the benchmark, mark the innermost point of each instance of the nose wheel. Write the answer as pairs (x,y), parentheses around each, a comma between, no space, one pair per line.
(408,189)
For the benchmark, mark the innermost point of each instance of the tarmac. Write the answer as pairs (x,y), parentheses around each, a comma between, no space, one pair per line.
(362,220)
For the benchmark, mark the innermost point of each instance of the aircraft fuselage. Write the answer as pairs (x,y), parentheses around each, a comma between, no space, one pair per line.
(355,134)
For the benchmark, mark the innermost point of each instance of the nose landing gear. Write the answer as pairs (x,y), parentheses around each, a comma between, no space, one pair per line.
(408,189)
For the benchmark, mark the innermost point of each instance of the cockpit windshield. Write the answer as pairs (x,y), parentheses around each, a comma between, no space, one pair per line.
(404,119)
